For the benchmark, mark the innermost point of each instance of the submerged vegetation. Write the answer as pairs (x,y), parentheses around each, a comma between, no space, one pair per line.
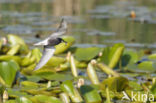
(89,75)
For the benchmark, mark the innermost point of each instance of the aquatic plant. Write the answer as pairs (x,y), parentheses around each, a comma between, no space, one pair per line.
(89,75)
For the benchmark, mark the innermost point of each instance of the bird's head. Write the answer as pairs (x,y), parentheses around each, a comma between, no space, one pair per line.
(62,41)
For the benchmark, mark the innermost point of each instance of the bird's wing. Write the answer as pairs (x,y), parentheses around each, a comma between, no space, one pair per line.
(43,42)
(61,29)
(47,54)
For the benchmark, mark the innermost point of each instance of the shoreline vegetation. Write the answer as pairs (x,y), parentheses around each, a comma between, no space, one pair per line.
(73,74)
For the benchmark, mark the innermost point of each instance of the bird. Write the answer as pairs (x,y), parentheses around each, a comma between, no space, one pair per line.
(49,44)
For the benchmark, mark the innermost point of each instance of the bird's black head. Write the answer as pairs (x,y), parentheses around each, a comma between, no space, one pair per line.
(61,40)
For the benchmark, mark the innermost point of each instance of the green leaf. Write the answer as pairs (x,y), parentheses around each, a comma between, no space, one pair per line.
(55,61)
(16,40)
(147,66)
(31,57)
(153,89)
(8,72)
(16,93)
(9,57)
(11,101)
(44,98)
(111,56)
(129,57)
(23,100)
(30,84)
(92,74)
(68,88)
(86,54)
(13,50)
(116,84)
(54,76)
(143,67)
(135,86)
(37,54)
(90,94)
(1,43)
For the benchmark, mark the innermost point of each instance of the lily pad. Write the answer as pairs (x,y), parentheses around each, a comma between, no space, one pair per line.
(68,88)
(55,61)
(17,93)
(14,50)
(30,84)
(16,40)
(116,84)
(54,76)
(37,54)
(111,56)
(129,57)
(135,86)
(31,57)
(90,94)
(23,100)
(43,98)
(147,66)
(1,43)
(8,72)
(26,61)
(9,57)
(86,54)
(152,56)
(11,101)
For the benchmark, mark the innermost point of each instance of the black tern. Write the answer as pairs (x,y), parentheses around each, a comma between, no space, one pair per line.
(49,43)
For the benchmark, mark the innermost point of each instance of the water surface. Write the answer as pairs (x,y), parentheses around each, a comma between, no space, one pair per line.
(90,21)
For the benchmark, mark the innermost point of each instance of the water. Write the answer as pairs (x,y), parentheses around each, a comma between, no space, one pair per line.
(91,22)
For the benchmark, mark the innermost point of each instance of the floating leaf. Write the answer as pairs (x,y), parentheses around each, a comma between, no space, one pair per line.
(63,47)
(23,100)
(54,76)
(27,61)
(153,89)
(33,56)
(90,94)
(37,54)
(152,56)
(86,54)
(44,98)
(16,93)
(111,56)
(129,57)
(9,57)
(15,40)
(147,66)
(13,50)
(8,72)
(55,61)
(1,43)
(68,88)
(11,101)
(135,86)
(116,84)
(30,84)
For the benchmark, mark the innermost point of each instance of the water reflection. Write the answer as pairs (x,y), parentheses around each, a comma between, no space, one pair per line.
(90,21)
